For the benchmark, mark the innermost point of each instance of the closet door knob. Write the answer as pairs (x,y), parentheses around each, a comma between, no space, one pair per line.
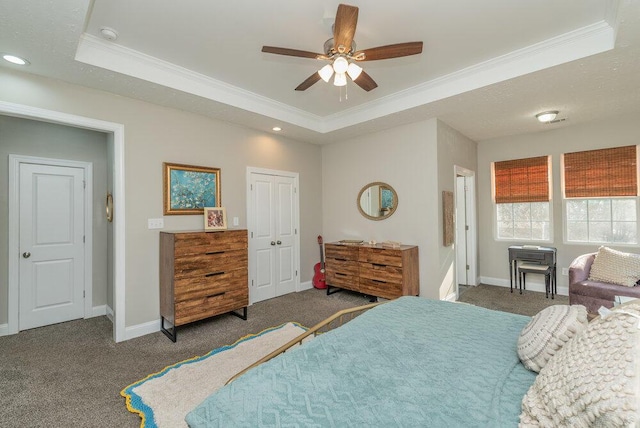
(26,254)
(273,243)
(279,242)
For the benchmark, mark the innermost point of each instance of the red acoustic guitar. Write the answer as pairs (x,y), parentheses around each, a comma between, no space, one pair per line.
(318,269)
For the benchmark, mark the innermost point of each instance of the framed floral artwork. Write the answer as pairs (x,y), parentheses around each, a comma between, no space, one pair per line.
(215,218)
(188,189)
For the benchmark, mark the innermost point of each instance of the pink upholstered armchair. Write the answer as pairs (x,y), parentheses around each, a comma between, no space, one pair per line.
(593,294)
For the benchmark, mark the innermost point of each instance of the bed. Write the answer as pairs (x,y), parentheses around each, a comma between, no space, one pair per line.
(408,362)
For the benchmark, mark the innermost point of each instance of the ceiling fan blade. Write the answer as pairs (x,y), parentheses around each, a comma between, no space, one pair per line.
(390,51)
(365,82)
(292,52)
(344,27)
(309,82)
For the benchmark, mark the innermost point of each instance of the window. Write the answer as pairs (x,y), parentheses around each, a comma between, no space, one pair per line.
(522,198)
(601,195)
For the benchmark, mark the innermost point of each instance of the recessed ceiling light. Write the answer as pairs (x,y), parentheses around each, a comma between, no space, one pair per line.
(277,128)
(109,33)
(15,59)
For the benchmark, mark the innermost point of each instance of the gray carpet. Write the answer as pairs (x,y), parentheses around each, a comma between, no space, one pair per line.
(71,374)
(501,299)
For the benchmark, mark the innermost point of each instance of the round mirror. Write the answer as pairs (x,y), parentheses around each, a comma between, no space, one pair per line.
(377,201)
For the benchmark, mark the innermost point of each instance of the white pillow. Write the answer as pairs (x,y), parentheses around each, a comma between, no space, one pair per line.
(594,380)
(547,332)
(615,267)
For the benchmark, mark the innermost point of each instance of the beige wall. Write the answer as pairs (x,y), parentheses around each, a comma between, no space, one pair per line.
(155,134)
(40,139)
(417,161)
(619,131)
(454,149)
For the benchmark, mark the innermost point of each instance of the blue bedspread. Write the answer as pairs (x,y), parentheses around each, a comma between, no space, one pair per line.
(407,363)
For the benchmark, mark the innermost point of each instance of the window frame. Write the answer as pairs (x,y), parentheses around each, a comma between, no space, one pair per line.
(550,202)
(565,200)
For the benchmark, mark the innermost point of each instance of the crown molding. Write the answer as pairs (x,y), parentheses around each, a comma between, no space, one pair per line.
(581,43)
(95,51)
(590,40)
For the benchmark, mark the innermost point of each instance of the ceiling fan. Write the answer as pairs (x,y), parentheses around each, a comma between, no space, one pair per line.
(341,51)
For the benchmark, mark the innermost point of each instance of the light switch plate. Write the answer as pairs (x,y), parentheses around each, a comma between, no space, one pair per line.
(236,221)
(155,223)
(565,271)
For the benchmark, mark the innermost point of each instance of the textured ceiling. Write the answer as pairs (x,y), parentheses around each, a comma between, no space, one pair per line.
(486,67)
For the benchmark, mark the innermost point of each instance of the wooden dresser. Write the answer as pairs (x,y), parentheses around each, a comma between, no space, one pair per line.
(374,270)
(202,274)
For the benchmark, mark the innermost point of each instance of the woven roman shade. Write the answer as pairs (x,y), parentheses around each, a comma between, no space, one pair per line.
(522,180)
(601,173)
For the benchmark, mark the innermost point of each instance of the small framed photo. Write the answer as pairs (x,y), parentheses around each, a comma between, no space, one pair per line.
(215,218)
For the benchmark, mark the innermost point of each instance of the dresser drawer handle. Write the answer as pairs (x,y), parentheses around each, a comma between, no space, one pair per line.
(342,260)
(377,280)
(341,274)
(214,274)
(378,265)
(211,253)
(215,295)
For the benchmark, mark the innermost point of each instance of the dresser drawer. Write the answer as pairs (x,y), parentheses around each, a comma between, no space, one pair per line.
(341,252)
(209,263)
(209,284)
(382,256)
(376,287)
(342,280)
(196,309)
(381,272)
(347,267)
(203,243)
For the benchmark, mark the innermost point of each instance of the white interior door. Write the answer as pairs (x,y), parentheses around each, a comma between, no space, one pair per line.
(51,280)
(273,235)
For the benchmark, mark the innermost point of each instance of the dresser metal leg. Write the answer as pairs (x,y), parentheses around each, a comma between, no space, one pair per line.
(173,335)
(244,313)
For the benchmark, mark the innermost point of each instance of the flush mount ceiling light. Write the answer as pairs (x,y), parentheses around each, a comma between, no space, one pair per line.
(277,128)
(15,59)
(547,116)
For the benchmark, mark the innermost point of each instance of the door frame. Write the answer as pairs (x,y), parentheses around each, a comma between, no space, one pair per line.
(471,210)
(251,225)
(15,161)
(115,138)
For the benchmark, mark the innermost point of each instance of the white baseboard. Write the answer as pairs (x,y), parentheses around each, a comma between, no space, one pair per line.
(531,285)
(98,311)
(110,314)
(4,329)
(307,285)
(141,329)
(450,298)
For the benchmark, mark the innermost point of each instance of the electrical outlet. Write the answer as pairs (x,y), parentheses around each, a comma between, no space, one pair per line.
(565,271)
(236,221)
(155,223)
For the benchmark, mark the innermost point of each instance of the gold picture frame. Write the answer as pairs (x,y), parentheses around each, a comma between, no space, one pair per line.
(215,218)
(187,189)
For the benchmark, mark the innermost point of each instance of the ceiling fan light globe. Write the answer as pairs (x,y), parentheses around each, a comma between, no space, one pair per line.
(340,79)
(547,116)
(354,71)
(326,72)
(340,65)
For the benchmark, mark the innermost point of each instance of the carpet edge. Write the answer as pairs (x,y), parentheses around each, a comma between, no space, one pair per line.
(145,412)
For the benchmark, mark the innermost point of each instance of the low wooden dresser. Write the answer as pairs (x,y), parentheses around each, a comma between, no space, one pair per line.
(202,274)
(374,270)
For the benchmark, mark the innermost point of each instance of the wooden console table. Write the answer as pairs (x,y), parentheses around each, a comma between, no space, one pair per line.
(373,270)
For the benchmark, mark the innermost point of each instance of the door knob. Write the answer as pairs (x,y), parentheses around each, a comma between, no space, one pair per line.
(279,242)
(26,254)
(273,243)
